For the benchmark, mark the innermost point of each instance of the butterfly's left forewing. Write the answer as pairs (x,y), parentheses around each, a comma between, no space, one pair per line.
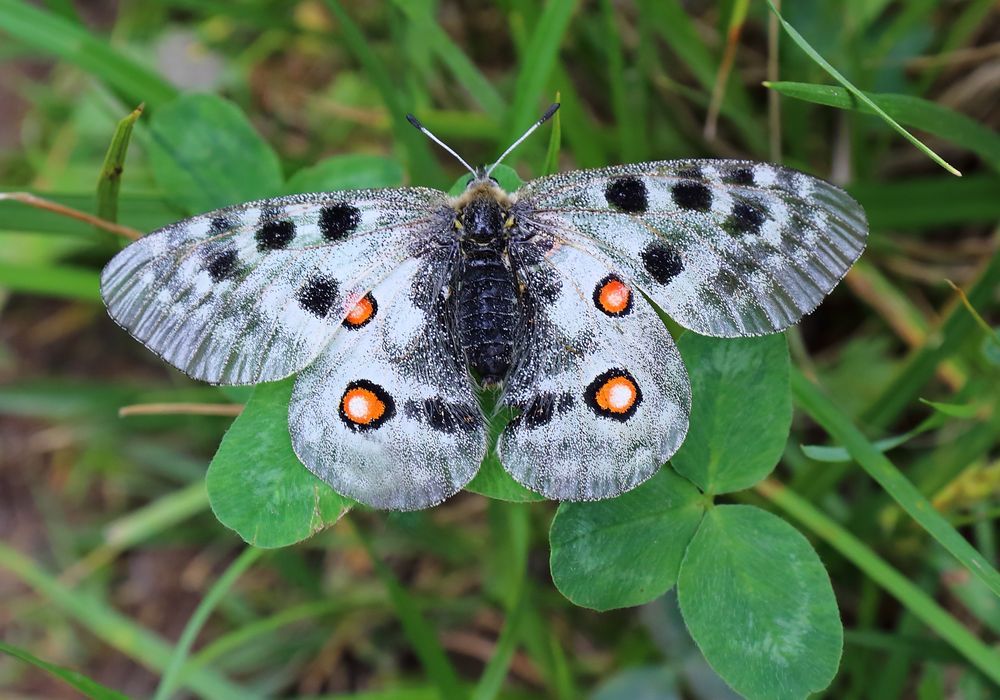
(602,393)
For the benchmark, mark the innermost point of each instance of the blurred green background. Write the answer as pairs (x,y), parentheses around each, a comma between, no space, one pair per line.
(108,545)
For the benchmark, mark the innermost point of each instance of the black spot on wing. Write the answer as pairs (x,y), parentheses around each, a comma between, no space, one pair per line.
(317,295)
(443,416)
(540,409)
(628,194)
(691,172)
(274,233)
(662,261)
(745,218)
(739,176)
(338,220)
(223,265)
(692,195)
(219,224)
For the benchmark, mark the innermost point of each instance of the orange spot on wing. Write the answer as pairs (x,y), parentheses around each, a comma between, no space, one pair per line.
(361,312)
(617,395)
(612,296)
(362,406)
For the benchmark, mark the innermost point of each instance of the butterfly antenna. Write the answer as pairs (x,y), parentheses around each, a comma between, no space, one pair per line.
(545,117)
(423,129)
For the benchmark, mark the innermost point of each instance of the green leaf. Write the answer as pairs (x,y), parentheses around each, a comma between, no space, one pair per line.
(836,75)
(205,155)
(906,109)
(627,550)
(507,177)
(757,600)
(955,410)
(60,281)
(349,172)
(492,480)
(55,35)
(91,689)
(256,484)
(741,410)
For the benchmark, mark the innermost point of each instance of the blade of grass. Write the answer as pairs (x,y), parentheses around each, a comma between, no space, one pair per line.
(674,24)
(909,498)
(140,525)
(57,36)
(422,636)
(536,67)
(90,688)
(628,120)
(836,75)
(922,363)
(110,180)
(920,604)
(115,629)
(737,17)
(510,530)
(419,160)
(464,71)
(555,143)
(52,281)
(173,672)
(906,109)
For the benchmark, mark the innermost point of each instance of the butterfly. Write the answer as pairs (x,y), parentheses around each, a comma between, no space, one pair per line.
(391,305)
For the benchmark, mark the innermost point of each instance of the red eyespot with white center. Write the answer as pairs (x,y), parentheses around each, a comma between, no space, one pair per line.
(612,296)
(365,405)
(361,313)
(613,394)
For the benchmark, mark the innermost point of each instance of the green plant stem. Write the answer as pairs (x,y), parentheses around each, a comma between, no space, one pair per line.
(172,675)
(896,584)
(422,636)
(115,629)
(878,466)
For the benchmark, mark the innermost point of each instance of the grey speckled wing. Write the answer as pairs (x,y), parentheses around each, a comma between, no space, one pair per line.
(726,248)
(254,292)
(601,389)
(386,414)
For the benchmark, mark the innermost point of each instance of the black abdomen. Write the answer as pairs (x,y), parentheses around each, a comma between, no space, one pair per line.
(486,311)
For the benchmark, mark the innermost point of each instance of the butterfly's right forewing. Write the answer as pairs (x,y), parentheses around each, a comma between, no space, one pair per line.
(253,293)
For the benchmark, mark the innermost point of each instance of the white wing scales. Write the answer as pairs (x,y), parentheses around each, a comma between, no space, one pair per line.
(726,248)
(254,292)
(603,393)
(420,437)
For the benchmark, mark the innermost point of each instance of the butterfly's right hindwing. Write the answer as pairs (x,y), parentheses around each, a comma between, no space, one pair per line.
(602,392)
(253,293)
(387,414)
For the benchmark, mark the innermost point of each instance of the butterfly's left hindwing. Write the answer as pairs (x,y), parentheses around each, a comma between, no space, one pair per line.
(254,292)
(386,414)
(602,393)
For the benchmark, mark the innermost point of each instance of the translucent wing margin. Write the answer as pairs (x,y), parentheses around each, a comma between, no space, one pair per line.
(602,392)
(254,292)
(386,414)
(726,247)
